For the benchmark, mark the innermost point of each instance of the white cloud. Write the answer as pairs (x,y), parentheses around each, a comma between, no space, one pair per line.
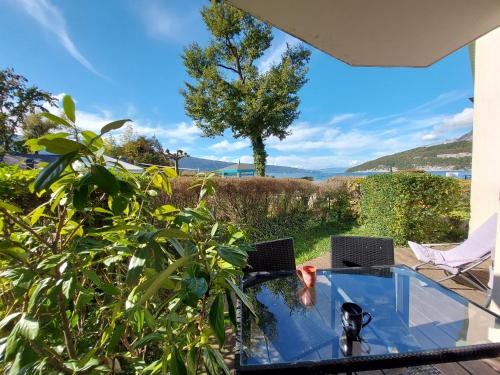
(337,119)
(162,22)
(48,16)
(273,55)
(461,120)
(226,146)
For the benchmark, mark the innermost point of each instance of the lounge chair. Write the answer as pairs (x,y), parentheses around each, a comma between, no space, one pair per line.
(460,260)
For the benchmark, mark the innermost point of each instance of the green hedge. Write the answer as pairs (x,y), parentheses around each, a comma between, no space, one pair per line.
(412,206)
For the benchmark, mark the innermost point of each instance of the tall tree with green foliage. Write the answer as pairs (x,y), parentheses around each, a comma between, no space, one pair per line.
(230,92)
(17,101)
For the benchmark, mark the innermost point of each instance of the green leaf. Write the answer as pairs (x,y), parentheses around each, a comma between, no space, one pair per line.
(12,250)
(177,366)
(233,255)
(28,327)
(214,362)
(52,172)
(92,139)
(136,265)
(60,146)
(10,207)
(106,287)
(81,197)
(216,318)
(113,126)
(231,309)
(68,287)
(115,337)
(162,277)
(242,296)
(118,204)
(104,179)
(214,229)
(165,210)
(194,288)
(172,233)
(5,321)
(146,340)
(56,119)
(12,344)
(69,107)
(36,295)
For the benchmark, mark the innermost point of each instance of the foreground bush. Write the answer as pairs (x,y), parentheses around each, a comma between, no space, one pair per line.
(94,281)
(412,206)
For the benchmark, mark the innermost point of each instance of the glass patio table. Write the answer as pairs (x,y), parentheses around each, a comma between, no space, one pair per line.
(416,321)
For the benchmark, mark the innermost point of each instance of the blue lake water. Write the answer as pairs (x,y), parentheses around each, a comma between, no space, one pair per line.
(322,176)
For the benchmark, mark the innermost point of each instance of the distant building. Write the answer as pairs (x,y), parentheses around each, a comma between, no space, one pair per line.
(31,161)
(237,170)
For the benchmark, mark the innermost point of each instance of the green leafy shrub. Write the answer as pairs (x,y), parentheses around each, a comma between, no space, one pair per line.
(14,186)
(410,206)
(95,281)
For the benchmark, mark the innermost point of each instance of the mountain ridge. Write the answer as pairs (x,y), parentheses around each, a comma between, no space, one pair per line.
(453,154)
(192,162)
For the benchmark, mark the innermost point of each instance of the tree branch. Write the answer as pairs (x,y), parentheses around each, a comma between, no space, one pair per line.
(53,357)
(26,227)
(68,339)
(228,68)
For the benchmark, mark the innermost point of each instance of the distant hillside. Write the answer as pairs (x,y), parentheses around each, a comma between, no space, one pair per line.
(451,155)
(192,162)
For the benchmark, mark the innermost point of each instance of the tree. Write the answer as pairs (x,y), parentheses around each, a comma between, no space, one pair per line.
(17,101)
(35,126)
(176,156)
(141,149)
(229,90)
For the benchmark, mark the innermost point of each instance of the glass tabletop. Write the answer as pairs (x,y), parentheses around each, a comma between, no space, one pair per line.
(411,314)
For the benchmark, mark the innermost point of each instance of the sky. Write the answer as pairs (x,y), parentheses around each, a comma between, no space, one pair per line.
(123,59)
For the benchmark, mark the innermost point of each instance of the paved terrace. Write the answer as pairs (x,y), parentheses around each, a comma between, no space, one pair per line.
(405,256)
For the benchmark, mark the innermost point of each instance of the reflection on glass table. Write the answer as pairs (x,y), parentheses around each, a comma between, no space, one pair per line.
(415,321)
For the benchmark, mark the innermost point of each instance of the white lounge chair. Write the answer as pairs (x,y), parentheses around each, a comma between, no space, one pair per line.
(464,257)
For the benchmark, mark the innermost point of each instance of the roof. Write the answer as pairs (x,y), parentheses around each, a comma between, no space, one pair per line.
(238,167)
(412,33)
(20,159)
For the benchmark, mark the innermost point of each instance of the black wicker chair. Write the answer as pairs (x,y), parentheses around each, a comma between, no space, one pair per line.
(271,256)
(347,251)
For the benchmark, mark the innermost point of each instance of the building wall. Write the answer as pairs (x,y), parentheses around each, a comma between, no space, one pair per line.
(486,140)
(485,193)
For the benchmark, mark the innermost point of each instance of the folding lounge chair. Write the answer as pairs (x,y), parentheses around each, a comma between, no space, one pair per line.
(464,257)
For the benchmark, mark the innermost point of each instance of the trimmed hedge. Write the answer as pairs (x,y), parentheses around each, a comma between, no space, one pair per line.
(412,206)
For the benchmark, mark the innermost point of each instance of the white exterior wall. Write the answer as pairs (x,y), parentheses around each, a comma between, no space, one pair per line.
(485,189)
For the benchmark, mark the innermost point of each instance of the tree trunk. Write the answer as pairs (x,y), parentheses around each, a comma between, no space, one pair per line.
(259,155)
(176,163)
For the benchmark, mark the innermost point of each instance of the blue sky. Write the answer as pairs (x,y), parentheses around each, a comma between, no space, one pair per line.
(122,59)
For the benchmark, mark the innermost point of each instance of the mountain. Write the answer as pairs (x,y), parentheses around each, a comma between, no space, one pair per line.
(201,164)
(450,155)
(333,170)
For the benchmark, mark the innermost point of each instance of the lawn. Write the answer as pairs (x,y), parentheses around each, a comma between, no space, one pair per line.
(315,241)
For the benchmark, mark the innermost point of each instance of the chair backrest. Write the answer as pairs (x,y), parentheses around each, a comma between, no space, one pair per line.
(270,256)
(480,244)
(350,251)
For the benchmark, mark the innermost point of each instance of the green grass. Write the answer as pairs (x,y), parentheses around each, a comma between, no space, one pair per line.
(315,241)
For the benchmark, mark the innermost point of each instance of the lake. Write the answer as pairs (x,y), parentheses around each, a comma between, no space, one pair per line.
(322,176)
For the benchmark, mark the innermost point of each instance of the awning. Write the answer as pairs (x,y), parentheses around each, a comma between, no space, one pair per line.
(413,33)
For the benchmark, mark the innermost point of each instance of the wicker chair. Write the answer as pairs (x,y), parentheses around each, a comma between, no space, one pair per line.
(270,256)
(361,251)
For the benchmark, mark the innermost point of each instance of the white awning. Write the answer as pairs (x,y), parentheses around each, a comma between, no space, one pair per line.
(413,33)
